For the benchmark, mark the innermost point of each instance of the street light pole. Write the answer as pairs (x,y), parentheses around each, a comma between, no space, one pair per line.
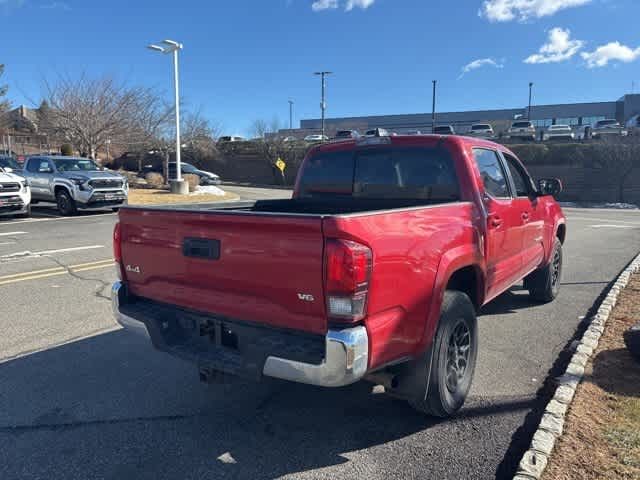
(433,108)
(529,109)
(323,104)
(171,46)
(290,114)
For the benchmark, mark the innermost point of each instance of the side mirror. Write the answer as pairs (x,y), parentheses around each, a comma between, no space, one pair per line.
(549,186)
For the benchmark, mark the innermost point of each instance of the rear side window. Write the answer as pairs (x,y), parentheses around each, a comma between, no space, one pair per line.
(492,173)
(382,173)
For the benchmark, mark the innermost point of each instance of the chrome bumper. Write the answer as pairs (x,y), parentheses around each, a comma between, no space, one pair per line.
(345,362)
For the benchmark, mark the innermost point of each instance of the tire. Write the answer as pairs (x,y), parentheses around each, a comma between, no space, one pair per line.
(26,214)
(66,204)
(544,283)
(444,389)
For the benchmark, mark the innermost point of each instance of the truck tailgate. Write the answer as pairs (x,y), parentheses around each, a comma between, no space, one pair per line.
(260,268)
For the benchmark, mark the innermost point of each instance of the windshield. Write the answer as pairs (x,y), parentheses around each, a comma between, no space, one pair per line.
(442,129)
(8,162)
(75,164)
(607,123)
(382,173)
(480,127)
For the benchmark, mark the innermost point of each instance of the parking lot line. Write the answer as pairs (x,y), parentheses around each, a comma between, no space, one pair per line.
(54,219)
(55,271)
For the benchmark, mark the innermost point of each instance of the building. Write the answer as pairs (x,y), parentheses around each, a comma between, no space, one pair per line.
(542,116)
(20,133)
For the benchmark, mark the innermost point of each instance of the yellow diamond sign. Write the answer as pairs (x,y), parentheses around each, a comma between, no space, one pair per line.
(281,165)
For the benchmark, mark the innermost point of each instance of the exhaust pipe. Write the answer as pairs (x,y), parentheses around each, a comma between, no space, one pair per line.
(387,380)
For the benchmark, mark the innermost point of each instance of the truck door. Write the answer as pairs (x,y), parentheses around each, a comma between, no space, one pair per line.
(504,232)
(531,212)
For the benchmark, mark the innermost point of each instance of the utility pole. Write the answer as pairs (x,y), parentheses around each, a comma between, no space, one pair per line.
(529,109)
(323,104)
(433,108)
(290,114)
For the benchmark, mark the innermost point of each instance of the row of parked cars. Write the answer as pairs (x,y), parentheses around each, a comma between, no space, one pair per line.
(519,130)
(72,183)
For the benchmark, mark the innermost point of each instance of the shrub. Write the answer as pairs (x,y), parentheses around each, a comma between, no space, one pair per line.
(193,181)
(66,150)
(154,179)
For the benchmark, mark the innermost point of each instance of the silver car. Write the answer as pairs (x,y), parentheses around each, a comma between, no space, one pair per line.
(74,183)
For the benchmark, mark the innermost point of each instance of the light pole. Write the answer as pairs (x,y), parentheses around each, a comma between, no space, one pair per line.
(107,143)
(433,108)
(170,46)
(290,114)
(529,109)
(323,104)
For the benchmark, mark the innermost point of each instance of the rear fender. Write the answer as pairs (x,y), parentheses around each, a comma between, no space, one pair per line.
(453,260)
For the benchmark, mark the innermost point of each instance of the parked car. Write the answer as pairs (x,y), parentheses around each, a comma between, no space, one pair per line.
(376,132)
(373,270)
(206,178)
(608,127)
(342,134)
(15,194)
(9,164)
(230,139)
(558,132)
(522,130)
(481,130)
(316,138)
(74,183)
(290,139)
(583,132)
(444,130)
(633,125)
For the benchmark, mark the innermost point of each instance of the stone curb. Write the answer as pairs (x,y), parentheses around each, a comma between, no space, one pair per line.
(534,461)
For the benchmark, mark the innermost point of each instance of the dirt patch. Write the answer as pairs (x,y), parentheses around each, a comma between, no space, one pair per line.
(156,197)
(602,432)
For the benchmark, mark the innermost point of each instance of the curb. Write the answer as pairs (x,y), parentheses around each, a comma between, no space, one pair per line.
(534,461)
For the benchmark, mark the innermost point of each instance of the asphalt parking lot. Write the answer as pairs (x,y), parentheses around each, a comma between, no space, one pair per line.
(81,399)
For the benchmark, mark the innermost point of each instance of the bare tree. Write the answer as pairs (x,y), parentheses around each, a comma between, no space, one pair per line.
(4,103)
(258,128)
(88,112)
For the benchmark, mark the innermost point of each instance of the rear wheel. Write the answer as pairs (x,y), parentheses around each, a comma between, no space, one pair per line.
(544,284)
(452,359)
(66,204)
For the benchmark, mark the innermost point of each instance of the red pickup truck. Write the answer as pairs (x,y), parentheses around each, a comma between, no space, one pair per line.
(374,270)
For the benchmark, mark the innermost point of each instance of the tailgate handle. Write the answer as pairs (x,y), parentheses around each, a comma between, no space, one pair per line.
(201,248)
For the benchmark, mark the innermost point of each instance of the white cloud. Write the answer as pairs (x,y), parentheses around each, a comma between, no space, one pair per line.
(56,6)
(364,4)
(611,52)
(349,5)
(559,47)
(479,63)
(324,5)
(508,10)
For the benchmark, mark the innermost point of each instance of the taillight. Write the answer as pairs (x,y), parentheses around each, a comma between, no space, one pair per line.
(117,248)
(348,273)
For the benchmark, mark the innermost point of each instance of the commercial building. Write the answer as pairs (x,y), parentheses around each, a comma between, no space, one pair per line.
(542,116)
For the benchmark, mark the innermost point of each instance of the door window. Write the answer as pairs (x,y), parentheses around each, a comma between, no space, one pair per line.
(492,173)
(522,180)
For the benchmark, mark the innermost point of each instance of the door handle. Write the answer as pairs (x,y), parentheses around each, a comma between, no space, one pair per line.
(525,217)
(495,221)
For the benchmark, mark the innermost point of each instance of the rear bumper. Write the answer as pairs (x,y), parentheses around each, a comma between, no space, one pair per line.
(256,350)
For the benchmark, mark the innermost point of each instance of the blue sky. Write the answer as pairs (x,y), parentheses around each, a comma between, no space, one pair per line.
(244,59)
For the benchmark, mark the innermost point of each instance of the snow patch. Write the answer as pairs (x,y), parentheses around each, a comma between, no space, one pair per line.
(209,190)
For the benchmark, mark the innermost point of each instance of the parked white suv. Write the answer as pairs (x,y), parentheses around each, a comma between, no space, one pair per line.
(558,132)
(522,129)
(15,195)
(481,130)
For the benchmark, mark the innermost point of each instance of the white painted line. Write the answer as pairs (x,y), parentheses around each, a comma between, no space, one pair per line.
(30,254)
(596,219)
(614,226)
(7,243)
(72,249)
(9,234)
(55,219)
